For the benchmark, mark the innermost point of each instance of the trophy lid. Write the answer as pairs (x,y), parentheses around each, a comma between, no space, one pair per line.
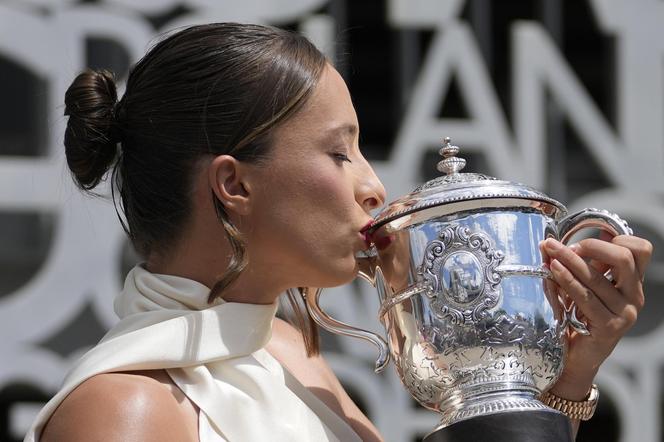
(456,192)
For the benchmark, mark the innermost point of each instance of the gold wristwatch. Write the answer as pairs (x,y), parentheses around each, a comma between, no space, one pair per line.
(583,410)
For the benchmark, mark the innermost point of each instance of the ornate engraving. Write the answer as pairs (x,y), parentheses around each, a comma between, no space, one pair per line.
(446,364)
(495,406)
(460,267)
(518,347)
(453,179)
(503,329)
(551,346)
(425,389)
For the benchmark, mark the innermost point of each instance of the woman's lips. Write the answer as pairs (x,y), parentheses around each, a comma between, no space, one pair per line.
(367,227)
(365,234)
(366,237)
(376,237)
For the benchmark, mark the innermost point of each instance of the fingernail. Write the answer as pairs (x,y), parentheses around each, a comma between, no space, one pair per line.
(552,244)
(555,265)
(575,247)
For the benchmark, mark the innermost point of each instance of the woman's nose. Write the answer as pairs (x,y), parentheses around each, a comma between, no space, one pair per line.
(371,194)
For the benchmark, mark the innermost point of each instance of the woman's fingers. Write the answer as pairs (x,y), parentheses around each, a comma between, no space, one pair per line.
(582,282)
(591,305)
(641,250)
(627,257)
(545,254)
(619,259)
(610,310)
(620,252)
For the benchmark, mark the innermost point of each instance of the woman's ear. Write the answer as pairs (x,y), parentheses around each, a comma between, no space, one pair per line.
(226,178)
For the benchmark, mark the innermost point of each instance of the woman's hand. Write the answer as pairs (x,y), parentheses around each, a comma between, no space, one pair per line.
(609,308)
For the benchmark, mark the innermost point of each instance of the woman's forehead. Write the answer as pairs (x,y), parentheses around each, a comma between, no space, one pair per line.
(329,111)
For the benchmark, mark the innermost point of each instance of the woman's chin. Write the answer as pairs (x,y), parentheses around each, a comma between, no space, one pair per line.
(334,276)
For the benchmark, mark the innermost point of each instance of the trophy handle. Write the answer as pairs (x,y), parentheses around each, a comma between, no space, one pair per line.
(330,324)
(593,218)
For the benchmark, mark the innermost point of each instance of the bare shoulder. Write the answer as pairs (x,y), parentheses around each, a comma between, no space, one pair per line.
(121,407)
(287,339)
(287,346)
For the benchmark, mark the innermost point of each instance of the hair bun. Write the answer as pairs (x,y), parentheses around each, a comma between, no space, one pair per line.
(91,136)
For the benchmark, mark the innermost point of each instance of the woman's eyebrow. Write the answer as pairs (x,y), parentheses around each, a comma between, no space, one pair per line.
(343,129)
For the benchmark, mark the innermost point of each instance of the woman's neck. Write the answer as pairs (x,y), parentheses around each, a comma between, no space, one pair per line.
(206,261)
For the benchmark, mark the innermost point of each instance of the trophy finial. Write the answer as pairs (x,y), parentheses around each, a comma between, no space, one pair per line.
(450,164)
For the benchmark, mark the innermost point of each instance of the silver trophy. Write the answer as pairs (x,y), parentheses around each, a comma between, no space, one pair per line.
(474,323)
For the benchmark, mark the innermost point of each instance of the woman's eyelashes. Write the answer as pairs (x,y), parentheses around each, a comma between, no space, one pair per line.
(341,156)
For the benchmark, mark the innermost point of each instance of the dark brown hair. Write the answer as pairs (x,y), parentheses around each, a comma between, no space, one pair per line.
(206,90)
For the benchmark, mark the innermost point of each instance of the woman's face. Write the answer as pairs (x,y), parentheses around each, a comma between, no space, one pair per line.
(314,193)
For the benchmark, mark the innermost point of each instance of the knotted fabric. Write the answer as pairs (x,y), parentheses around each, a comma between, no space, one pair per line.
(216,357)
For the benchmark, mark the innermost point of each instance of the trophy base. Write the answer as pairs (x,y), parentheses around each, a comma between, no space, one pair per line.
(544,425)
(488,396)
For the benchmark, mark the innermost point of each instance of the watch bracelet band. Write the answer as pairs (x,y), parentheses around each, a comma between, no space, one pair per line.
(582,410)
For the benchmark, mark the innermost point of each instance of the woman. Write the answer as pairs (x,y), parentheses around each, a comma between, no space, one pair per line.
(235,152)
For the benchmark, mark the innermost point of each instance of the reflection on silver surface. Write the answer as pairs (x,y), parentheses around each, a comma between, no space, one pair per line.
(476,327)
(474,323)
(462,278)
(483,325)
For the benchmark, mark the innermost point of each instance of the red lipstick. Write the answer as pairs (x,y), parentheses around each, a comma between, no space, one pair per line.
(365,233)
(367,227)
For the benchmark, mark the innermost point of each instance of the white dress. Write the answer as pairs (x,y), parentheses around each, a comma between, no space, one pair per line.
(216,357)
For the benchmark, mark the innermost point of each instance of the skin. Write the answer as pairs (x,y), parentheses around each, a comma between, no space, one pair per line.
(300,215)
(609,309)
(292,240)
